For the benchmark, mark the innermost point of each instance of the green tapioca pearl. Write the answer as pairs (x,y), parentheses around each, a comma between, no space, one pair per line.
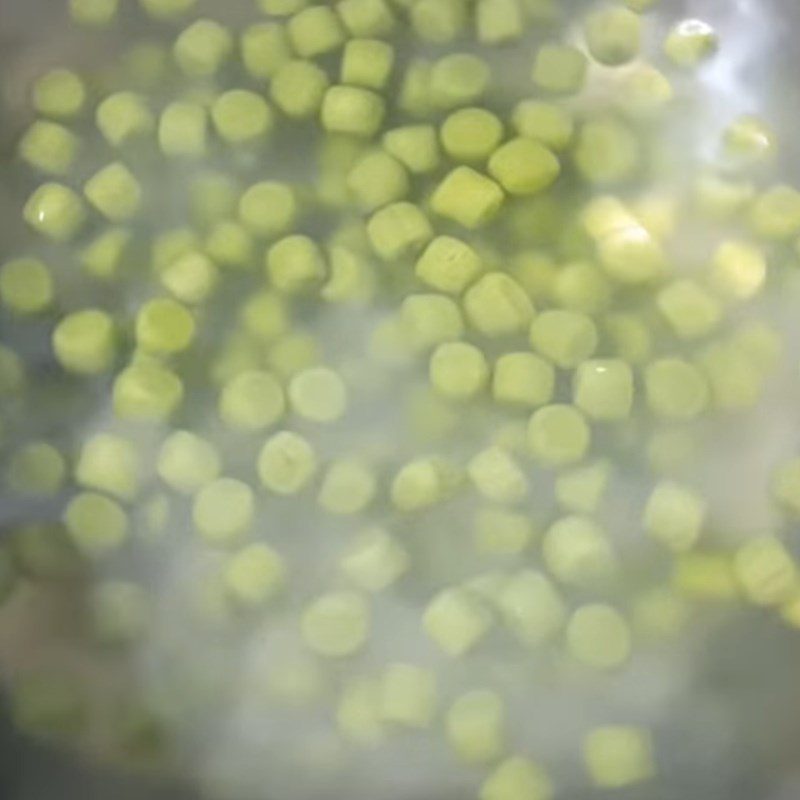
(690,42)
(558,435)
(645,93)
(55,211)
(172,245)
(266,316)
(182,130)
(374,561)
(523,166)
(582,488)
(448,265)
(358,712)
(499,21)
(497,476)
(748,140)
(124,116)
(500,532)
(281,8)
(202,48)
(191,278)
(613,35)
(166,9)
(458,79)
(421,483)
(212,197)
(367,63)
(430,320)
(471,134)
(766,571)
(296,264)
(517,778)
(109,463)
(241,116)
(286,463)
(761,343)
(775,214)
(348,487)
(577,551)
(467,197)
(565,337)
(607,151)
(629,336)
(603,389)
(96,524)
(560,69)
(36,468)
(352,110)
(26,286)
(523,380)
(438,21)
(12,372)
(314,31)
(456,620)
(298,88)
(545,122)
(630,255)
(496,305)
(738,270)
(251,401)
(618,756)
(364,18)
(598,636)
(674,515)
(254,575)
(318,394)
(94,13)
(475,726)
(230,244)
(60,94)
(223,511)
(399,230)
(49,147)
(675,389)
(268,208)
(83,342)
(415,90)
(581,286)
(352,277)
(146,391)
(531,607)
(736,380)
(689,309)
(114,192)
(408,696)
(536,272)
(785,486)
(294,353)
(119,611)
(377,179)
(722,197)
(187,462)
(458,371)
(145,64)
(416,146)
(264,49)
(336,625)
